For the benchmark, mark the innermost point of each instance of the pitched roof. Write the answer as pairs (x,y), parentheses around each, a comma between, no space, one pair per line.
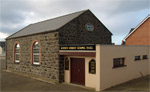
(131,32)
(47,25)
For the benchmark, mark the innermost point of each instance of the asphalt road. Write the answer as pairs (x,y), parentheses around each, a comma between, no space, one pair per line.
(14,82)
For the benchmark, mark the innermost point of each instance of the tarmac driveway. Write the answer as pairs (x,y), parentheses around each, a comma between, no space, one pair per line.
(13,82)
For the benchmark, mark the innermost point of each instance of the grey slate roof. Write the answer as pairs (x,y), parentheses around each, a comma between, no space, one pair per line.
(47,25)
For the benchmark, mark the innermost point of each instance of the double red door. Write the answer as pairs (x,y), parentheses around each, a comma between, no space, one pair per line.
(78,71)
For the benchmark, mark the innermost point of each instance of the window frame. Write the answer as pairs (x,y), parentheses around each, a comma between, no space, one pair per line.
(87,26)
(121,62)
(67,64)
(90,67)
(143,57)
(136,59)
(18,53)
(34,54)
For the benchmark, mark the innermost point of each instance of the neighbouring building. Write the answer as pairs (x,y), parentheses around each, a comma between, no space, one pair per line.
(74,48)
(2,47)
(139,35)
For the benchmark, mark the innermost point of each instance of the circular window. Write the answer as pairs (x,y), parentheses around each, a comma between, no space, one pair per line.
(89,27)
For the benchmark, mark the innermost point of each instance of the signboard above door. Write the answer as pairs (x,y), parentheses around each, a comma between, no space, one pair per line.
(78,47)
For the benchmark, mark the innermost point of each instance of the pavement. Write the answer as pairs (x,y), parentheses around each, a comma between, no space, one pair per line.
(14,82)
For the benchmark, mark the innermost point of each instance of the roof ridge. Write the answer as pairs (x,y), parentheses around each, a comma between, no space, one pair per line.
(61,16)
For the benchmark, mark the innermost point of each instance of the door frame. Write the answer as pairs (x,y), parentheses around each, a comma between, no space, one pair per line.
(71,69)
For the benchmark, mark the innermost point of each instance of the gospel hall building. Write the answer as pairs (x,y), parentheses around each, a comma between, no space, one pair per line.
(74,48)
(34,50)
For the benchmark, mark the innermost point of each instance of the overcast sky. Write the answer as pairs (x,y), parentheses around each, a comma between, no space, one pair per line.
(119,16)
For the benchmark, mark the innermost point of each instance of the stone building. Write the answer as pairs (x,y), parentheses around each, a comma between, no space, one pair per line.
(34,50)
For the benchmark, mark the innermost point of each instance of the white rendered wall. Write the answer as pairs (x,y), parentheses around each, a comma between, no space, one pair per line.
(110,76)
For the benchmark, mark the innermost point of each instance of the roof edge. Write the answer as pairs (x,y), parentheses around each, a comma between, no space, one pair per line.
(33,34)
(100,22)
(137,26)
(9,37)
(17,32)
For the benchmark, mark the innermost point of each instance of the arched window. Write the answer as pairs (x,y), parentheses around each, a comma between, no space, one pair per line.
(17,53)
(36,53)
(66,64)
(92,66)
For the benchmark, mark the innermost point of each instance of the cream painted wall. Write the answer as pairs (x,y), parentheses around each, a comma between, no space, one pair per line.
(112,76)
(67,72)
(90,79)
(107,76)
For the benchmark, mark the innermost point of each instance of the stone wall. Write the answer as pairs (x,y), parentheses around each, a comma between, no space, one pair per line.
(52,65)
(49,67)
(75,32)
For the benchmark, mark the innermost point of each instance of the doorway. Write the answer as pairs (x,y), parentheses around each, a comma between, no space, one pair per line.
(78,71)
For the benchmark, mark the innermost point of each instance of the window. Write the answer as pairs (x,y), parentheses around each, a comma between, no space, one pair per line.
(89,27)
(145,57)
(36,53)
(17,53)
(66,64)
(118,62)
(137,58)
(92,66)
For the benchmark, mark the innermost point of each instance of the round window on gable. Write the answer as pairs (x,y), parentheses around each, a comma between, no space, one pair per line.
(92,66)
(89,27)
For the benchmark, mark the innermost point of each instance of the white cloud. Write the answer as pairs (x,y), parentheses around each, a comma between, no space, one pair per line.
(118,15)
(3,36)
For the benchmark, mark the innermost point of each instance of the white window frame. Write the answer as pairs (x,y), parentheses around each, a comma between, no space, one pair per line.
(17,53)
(36,63)
(38,54)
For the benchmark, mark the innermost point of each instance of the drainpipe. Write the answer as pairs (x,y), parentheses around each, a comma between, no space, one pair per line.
(6,53)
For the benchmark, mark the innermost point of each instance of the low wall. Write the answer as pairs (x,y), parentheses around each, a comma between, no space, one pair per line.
(110,76)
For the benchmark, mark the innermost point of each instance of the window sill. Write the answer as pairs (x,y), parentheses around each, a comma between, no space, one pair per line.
(16,63)
(119,66)
(145,58)
(36,64)
(137,59)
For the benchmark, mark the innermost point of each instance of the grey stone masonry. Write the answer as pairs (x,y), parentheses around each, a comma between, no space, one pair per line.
(75,33)
(49,67)
(52,64)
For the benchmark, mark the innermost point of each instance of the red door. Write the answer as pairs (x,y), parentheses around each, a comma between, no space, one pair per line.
(78,71)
